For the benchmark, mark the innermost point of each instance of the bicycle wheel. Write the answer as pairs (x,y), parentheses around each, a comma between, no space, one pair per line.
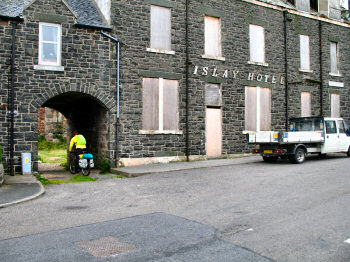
(72,168)
(86,171)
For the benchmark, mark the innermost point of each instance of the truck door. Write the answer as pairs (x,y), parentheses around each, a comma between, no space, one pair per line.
(344,139)
(331,137)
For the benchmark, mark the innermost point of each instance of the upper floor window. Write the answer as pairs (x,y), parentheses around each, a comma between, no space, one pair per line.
(314,5)
(212,36)
(257,43)
(160,28)
(49,44)
(304,52)
(334,55)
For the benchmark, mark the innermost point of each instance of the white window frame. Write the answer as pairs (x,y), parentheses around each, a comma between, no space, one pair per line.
(156,48)
(257,52)
(305,60)
(58,43)
(161,129)
(212,38)
(258,109)
(333,59)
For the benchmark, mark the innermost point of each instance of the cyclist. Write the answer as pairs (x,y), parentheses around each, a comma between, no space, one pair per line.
(78,142)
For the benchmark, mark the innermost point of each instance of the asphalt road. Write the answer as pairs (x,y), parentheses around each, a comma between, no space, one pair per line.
(247,212)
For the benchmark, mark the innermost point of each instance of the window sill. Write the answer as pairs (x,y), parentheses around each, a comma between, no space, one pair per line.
(49,68)
(258,63)
(220,58)
(160,132)
(160,51)
(335,74)
(305,70)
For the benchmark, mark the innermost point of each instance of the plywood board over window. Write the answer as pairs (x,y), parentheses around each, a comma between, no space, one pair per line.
(160,28)
(257,43)
(334,58)
(212,37)
(150,104)
(335,105)
(257,109)
(170,105)
(305,104)
(304,52)
(160,104)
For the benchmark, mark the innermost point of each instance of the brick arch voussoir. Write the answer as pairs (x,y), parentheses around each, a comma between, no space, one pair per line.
(101,97)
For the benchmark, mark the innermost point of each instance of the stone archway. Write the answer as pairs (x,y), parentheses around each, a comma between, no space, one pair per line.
(88,115)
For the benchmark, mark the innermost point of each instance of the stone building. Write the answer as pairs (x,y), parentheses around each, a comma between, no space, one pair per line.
(191,77)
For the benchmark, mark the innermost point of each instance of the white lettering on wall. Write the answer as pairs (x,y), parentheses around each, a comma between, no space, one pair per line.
(235,74)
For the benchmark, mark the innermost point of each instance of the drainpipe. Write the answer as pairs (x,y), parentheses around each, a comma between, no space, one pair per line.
(118,73)
(286,64)
(12,99)
(321,67)
(187,87)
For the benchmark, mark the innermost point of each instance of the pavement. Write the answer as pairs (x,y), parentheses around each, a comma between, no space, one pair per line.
(20,188)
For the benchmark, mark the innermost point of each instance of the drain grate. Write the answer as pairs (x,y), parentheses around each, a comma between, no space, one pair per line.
(105,246)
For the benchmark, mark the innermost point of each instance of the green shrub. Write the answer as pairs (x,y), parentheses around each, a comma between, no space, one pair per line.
(44,144)
(105,167)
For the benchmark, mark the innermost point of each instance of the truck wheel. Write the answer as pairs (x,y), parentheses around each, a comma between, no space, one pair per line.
(348,153)
(298,157)
(270,159)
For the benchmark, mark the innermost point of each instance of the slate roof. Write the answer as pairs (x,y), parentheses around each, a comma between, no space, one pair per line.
(86,11)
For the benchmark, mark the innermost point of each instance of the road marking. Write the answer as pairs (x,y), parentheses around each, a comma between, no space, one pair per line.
(347,241)
(249,229)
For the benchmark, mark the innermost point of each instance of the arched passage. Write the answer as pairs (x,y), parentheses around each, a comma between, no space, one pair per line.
(88,116)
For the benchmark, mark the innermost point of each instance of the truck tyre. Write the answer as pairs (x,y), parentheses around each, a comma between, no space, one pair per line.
(298,157)
(348,153)
(270,159)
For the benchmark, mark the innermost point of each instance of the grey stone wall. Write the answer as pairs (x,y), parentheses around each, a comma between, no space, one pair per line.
(89,73)
(133,31)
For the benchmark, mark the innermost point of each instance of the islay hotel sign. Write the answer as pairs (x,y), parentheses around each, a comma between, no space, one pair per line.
(236,74)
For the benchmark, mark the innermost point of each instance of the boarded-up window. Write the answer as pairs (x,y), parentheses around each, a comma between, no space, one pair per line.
(160,104)
(334,58)
(304,52)
(305,104)
(150,104)
(257,43)
(160,27)
(335,105)
(257,109)
(212,95)
(212,30)
(170,105)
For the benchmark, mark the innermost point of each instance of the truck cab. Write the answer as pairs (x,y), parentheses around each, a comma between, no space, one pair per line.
(306,135)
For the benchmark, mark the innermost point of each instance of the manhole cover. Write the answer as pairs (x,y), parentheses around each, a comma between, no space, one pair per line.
(105,246)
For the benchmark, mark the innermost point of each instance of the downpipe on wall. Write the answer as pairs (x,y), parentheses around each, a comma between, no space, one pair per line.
(285,13)
(187,84)
(118,90)
(12,99)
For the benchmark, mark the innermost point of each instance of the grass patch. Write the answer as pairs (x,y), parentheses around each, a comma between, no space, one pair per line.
(118,176)
(50,152)
(74,179)
(53,156)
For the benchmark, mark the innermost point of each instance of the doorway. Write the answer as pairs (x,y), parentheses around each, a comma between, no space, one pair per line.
(213,132)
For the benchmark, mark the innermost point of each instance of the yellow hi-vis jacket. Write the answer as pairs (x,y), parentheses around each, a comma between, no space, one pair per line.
(79,142)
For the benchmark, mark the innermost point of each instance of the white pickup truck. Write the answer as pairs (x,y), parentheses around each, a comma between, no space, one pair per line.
(319,135)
